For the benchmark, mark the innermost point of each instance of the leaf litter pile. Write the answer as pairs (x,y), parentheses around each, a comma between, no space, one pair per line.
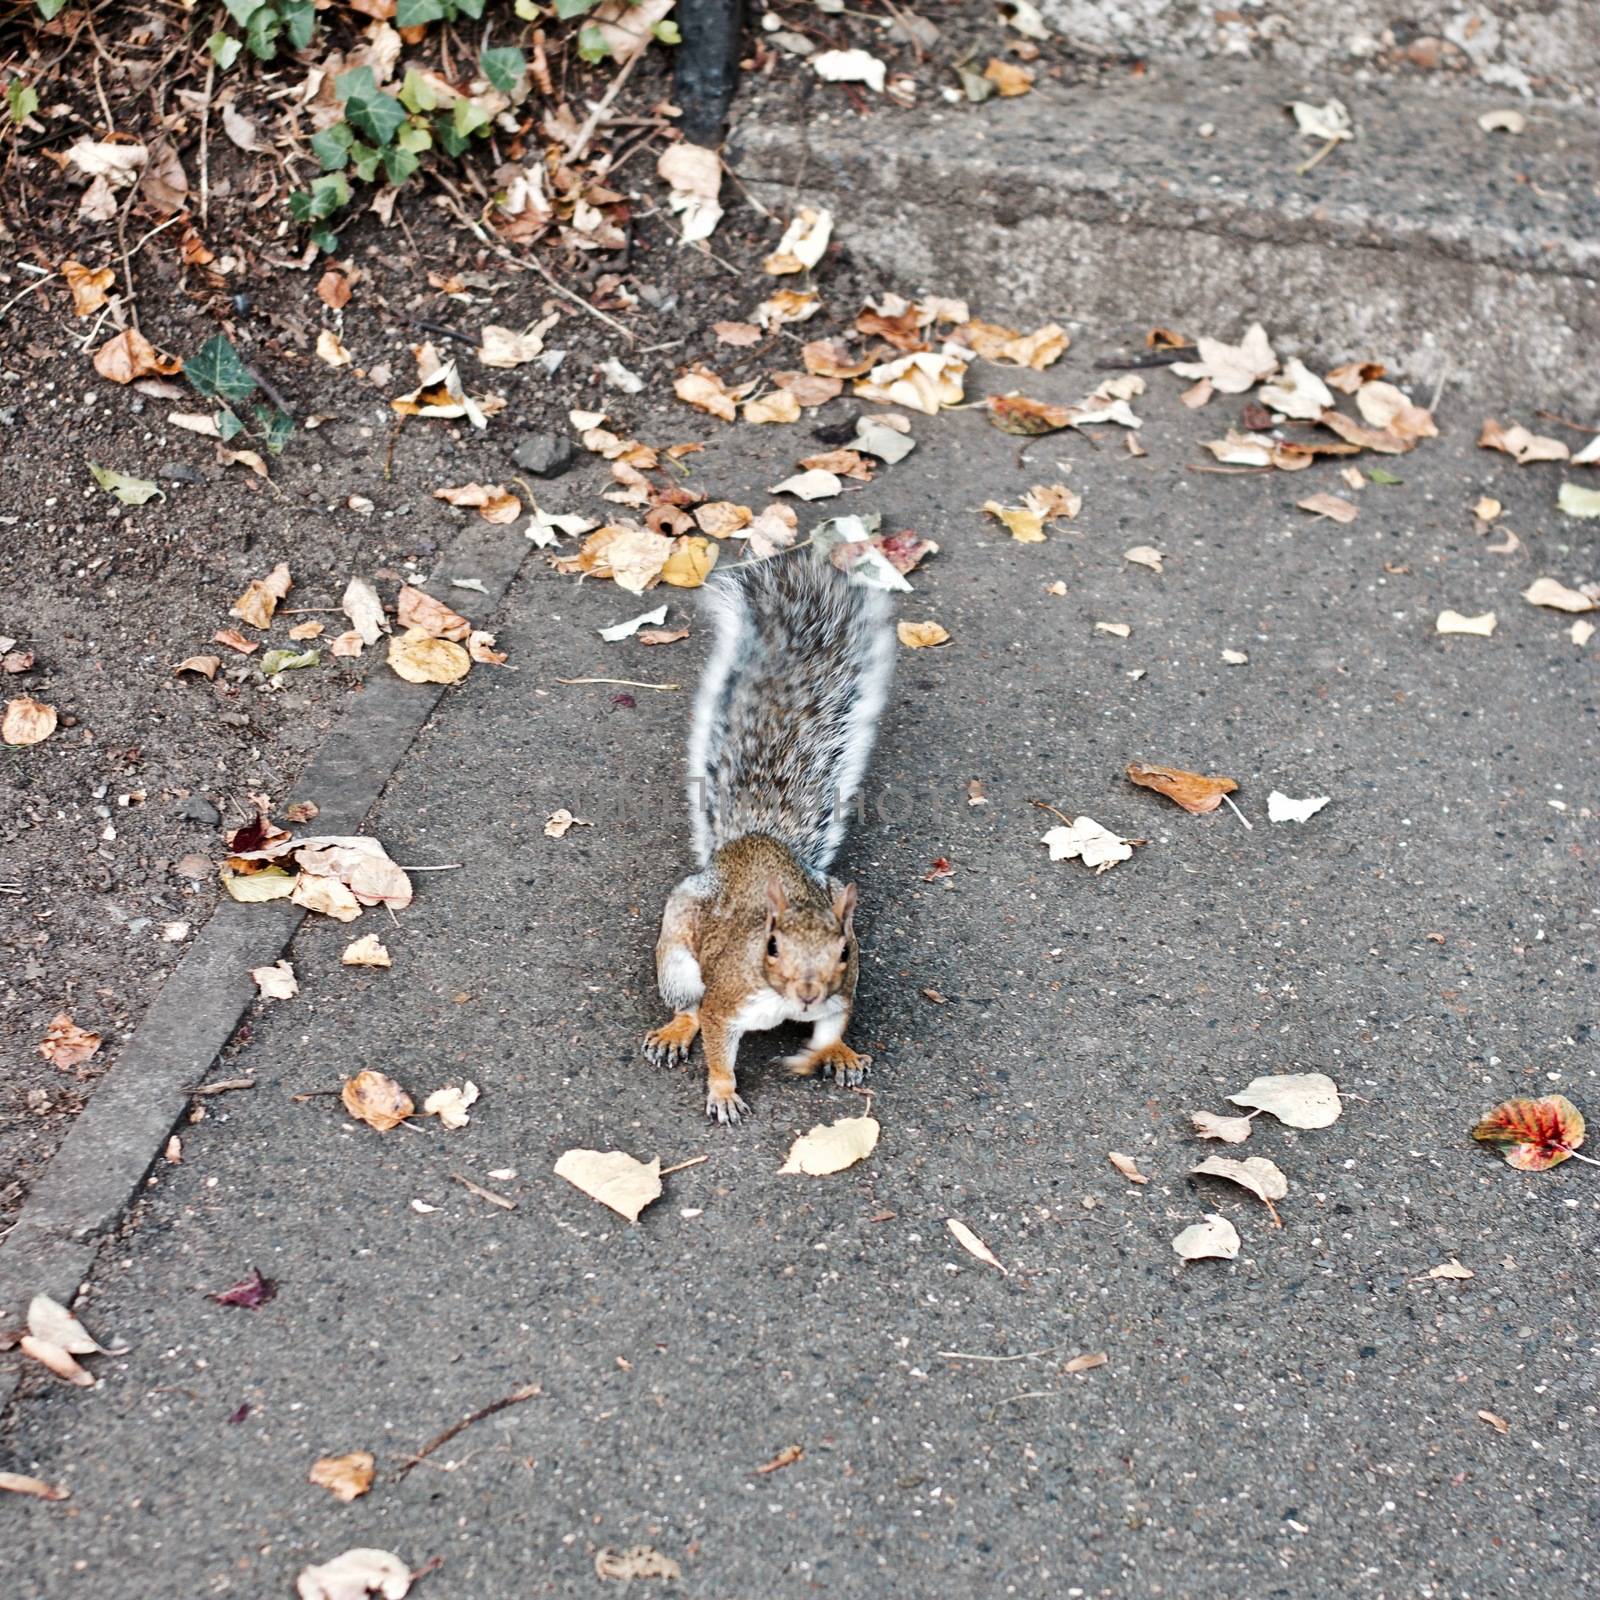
(786,352)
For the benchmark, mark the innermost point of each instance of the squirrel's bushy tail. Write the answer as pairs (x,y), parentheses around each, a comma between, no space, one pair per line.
(789,704)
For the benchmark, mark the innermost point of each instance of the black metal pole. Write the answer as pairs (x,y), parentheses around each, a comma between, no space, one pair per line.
(707,66)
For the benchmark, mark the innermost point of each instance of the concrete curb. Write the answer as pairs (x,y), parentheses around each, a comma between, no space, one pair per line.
(120,1135)
(1425,242)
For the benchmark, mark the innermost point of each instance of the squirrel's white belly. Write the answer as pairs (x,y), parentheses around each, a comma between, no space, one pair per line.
(767,1008)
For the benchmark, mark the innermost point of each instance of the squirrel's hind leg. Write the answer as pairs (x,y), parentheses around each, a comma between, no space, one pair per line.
(678,972)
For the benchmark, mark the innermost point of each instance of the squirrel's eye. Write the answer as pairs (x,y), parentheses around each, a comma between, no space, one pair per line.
(772,945)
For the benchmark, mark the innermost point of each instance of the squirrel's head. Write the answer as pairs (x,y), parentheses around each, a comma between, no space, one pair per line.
(807,947)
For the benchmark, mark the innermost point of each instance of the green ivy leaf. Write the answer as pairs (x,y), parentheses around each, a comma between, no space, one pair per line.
(358,81)
(130,491)
(240,10)
(277,427)
(468,118)
(325,196)
(228,425)
(1382,475)
(667,31)
(503,68)
(299,21)
(332,146)
(377,116)
(51,8)
(262,34)
(593,46)
(527,11)
(224,49)
(470,8)
(398,164)
(451,142)
(21,100)
(414,137)
(364,161)
(416,93)
(281,660)
(326,240)
(567,9)
(218,373)
(412,13)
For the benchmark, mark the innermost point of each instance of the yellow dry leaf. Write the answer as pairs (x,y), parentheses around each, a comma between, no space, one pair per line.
(1557,596)
(831,1147)
(256,605)
(331,349)
(920,635)
(1329,505)
(256,888)
(1453,622)
(1024,525)
(705,391)
(27,721)
(420,658)
(691,560)
(376,1099)
(994,342)
(346,1477)
(778,406)
(973,1245)
(1053,502)
(492,501)
(614,1178)
(417,609)
(1007,77)
(803,243)
(88,286)
(1191,790)
(129,355)
(721,518)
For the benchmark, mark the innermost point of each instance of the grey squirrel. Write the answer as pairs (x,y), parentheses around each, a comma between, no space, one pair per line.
(784,722)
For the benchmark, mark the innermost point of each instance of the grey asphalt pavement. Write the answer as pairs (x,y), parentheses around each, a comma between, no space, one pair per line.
(1298,1423)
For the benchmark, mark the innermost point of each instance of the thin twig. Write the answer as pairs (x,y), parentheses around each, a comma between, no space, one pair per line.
(449,866)
(516,1397)
(693,1161)
(567,294)
(160,227)
(500,1200)
(223,1086)
(1240,815)
(1052,810)
(626,683)
(38,283)
(1306,166)
(1566,422)
(965,1355)
(205,141)
(587,131)
(127,260)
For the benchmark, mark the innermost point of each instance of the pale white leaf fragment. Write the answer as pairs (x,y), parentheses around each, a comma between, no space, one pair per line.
(560,820)
(614,1178)
(1454,622)
(1085,839)
(450,1104)
(1298,392)
(1578,502)
(1261,1177)
(1230,1130)
(832,1146)
(626,630)
(1451,1269)
(1144,555)
(973,1245)
(1300,1099)
(355,1575)
(1231,369)
(1281,808)
(1502,121)
(367,951)
(850,66)
(1557,596)
(816,484)
(1328,121)
(276,982)
(1216,1236)
(1127,1166)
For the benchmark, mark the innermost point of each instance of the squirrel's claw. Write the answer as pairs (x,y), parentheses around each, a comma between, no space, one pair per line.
(725,1107)
(837,1061)
(669,1045)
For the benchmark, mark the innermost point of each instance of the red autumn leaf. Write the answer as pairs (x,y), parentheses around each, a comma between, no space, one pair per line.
(251,1293)
(1536,1134)
(256,835)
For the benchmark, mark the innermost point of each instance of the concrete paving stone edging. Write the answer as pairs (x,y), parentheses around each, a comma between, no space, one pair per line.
(122,1131)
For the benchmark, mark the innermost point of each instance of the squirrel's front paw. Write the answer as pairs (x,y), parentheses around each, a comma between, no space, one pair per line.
(669,1045)
(837,1061)
(724,1104)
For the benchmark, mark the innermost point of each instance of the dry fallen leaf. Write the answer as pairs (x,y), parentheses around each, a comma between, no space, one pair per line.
(924,381)
(1216,1236)
(276,982)
(805,241)
(346,1477)
(641,1561)
(1534,1134)
(1117,630)
(1498,1423)
(205,666)
(1255,1173)
(367,951)
(65,1044)
(50,1321)
(1557,596)
(1388,407)
(1518,443)
(57,1360)
(418,609)
(129,355)
(560,820)
(1144,555)
(235,640)
(331,349)
(1581,632)
(328,896)
(88,286)
(1454,622)
(1127,1166)
(614,1178)
(420,658)
(1450,1269)
(376,1099)
(1087,1363)
(1190,790)
(736,333)
(705,391)
(920,635)
(1329,505)
(786,1457)
(355,1575)
(1007,77)
(450,1104)
(1297,393)
(1232,369)
(256,605)
(778,406)
(973,1245)
(831,1147)
(1025,525)
(1094,845)
(995,343)
(256,888)
(1231,1130)
(27,721)
(692,558)
(492,501)
(1299,1099)
(17,1483)
(1577,501)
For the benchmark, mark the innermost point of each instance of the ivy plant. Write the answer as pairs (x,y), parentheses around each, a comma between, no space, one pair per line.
(216,371)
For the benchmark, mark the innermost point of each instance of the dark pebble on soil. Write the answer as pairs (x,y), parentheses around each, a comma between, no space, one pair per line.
(545,455)
(198,809)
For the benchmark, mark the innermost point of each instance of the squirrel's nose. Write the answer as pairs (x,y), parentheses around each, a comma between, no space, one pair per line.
(809,994)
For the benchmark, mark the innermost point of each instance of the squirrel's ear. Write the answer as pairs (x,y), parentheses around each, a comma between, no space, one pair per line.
(844,905)
(777,900)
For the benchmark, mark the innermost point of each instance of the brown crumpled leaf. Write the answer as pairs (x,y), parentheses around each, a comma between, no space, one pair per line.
(333,289)
(803,244)
(205,666)
(88,286)
(376,1099)
(973,1245)
(65,1045)
(18,1483)
(614,1178)
(993,342)
(418,657)
(1329,505)
(129,355)
(235,640)
(1190,790)
(705,391)
(1087,1363)
(722,518)
(330,897)
(832,358)
(736,333)
(780,405)
(925,380)
(1521,445)
(1347,379)
(1255,1173)
(641,1561)
(1231,1130)
(631,556)
(418,609)
(1127,1166)
(346,1477)
(276,982)
(921,635)
(492,501)
(256,605)
(480,646)
(1390,408)
(27,721)
(1009,78)
(1365,438)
